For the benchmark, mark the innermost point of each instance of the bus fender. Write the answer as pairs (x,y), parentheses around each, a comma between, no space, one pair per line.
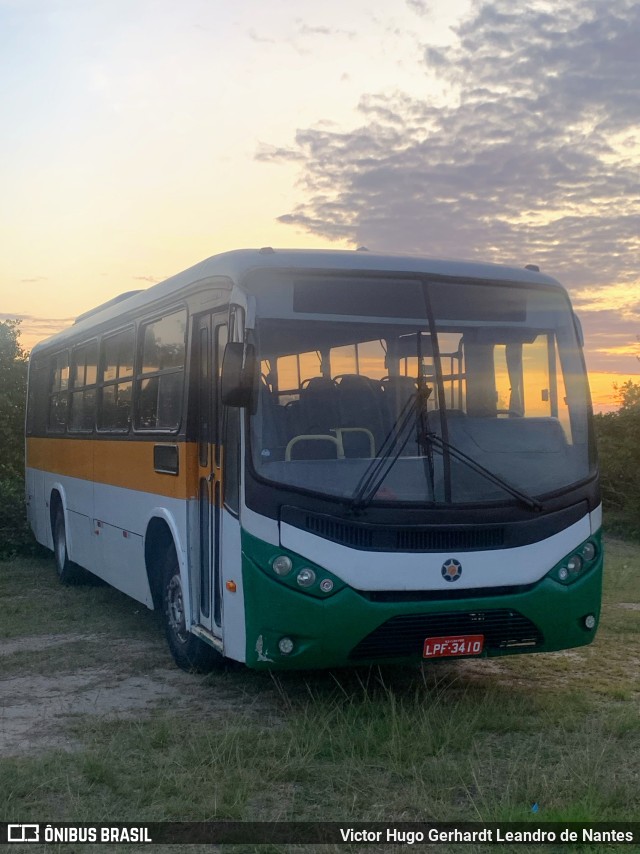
(163,514)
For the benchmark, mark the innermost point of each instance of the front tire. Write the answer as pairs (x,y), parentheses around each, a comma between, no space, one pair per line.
(68,572)
(189,652)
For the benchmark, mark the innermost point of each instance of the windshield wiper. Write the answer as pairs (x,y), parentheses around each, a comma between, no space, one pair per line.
(441,445)
(378,469)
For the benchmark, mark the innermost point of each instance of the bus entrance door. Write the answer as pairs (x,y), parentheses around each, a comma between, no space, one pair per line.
(211,330)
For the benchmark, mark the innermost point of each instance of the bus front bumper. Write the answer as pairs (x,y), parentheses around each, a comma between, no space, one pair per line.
(289,629)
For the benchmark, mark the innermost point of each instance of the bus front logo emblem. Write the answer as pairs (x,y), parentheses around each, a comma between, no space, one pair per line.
(451,569)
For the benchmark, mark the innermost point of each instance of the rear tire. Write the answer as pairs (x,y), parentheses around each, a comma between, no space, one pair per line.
(189,652)
(68,572)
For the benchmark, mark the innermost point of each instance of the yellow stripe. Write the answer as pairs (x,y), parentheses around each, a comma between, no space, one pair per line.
(127,463)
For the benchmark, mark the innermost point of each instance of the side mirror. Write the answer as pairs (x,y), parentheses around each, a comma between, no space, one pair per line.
(238,372)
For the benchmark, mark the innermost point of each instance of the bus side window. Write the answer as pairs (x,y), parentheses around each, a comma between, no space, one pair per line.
(84,370)
(59,393)
(160,378)
(38,397)
(116,374)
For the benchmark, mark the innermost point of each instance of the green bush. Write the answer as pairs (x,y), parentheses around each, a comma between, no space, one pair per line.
(619,452)
(15,536)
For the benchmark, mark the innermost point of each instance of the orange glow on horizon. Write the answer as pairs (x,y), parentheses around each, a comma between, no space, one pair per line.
(603,389)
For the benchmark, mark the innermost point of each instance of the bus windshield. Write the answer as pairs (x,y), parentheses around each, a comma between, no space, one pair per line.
(496,368)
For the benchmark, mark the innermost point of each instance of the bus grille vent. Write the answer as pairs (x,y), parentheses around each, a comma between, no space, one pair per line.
(393,538)
(443,540)
(404,636)
(440,595)
(341,532)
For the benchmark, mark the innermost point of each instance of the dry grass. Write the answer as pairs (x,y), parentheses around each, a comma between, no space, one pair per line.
(122,735)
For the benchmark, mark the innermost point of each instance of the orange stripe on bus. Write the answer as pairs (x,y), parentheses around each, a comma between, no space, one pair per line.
(127,464)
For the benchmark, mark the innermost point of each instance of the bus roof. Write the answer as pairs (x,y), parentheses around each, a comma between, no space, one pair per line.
(236,266)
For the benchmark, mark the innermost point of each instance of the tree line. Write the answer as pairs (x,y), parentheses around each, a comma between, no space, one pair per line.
(618,435)
(15,536)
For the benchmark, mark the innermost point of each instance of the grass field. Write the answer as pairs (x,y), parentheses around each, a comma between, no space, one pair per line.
(96,724)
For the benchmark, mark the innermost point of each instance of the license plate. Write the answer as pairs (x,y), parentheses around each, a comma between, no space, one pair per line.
(448,646)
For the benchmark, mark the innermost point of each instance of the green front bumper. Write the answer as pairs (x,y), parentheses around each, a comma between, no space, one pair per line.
(325,631)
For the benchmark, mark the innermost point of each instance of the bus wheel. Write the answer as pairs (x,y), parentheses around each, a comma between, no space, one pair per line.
(189,652)
(68,572)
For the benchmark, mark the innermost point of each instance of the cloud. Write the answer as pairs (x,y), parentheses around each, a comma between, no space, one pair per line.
(151,279)
(40,322)
(34,328)
(622,297)
(534,159)
(612,340)
(521,165)
(307,30)
(256,37)
(420,7)
(271,153)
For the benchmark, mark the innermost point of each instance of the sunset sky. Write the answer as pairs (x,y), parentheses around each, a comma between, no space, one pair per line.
(140,136)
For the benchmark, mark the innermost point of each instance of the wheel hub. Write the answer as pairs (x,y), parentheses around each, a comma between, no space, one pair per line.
(175,610)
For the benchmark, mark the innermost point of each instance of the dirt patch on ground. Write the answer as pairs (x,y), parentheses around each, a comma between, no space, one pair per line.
(40,642)
(36,710)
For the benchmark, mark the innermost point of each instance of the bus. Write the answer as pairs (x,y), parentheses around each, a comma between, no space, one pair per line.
(309,459)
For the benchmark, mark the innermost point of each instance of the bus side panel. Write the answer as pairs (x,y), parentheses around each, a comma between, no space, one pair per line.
(37,511)
(233,621)
(79,516)
(82,536)
(77,501)
(122,562)
(121,517)
(65,466)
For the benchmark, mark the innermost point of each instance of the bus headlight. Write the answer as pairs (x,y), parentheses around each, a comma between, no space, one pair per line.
(577,563)
(306,577)
(574,564)
(294,571)
(589,621)
(282,565)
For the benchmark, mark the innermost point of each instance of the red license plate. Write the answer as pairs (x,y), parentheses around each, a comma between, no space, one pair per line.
(461,645)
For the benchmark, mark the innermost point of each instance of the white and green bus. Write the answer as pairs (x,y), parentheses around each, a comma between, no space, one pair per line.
(310,459)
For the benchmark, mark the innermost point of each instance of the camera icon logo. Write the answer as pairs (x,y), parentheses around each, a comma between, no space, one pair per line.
(23,833)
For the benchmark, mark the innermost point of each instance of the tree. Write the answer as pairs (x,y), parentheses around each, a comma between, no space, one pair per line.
(14,532)
(619,452)
(629,396)
(13,390)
